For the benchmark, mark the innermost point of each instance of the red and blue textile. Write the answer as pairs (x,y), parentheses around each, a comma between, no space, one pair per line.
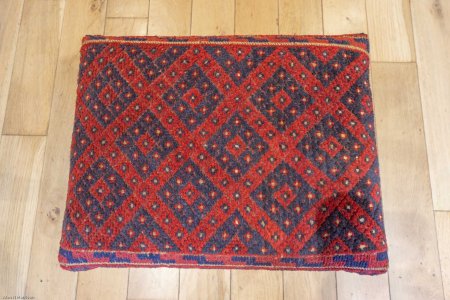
(252,152)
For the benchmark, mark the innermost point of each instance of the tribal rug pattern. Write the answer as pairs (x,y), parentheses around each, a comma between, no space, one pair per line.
(224,152)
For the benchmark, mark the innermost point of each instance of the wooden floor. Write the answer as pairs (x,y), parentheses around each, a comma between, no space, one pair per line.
(39,55)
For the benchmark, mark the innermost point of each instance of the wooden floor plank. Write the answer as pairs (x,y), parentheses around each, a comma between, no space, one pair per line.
(46,279)
(110,283)
(414,269)
(170,17)
(309,285)
(414,272)
(204,284)
(126,26)
(158,283)
(354,286)
(212,17)
(344,16)
(10,16)
(105,283)
(209,17)
(256,17)
(390,30)
(127,9)
(431,35)
(300,17)
(21,160)
(28,107)
(443,235)
(305,17)
(257,285)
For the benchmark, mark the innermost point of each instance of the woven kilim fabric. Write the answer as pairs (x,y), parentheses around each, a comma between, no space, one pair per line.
(253,152)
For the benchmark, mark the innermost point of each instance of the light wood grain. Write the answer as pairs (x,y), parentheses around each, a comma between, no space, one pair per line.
(10,16)
(414,271)
(127,9)
(209,17)
(28,260)
(21,160)
(28,108)
(305,17)
(46,279)
(165,18)
(108,284)
(443,235)
(432,32)
(300,17)
(354,286)
(212,17)
(159,283)
(256,17)
(344,16)
(126,26)
(390,30)
(204,284)
(341,17)
(309,285)
(258,285)
(169,17)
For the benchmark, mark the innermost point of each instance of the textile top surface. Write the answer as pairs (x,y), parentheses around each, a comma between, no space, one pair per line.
(251,152)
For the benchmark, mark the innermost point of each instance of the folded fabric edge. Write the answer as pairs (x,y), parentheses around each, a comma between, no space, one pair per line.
(81,260)
(357,41)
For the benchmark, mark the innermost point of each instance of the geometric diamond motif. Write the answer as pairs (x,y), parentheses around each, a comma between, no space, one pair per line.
(337,227)
(114,93)
(101,180)
(274,99)
(367,194)
(190,195)
(80,143)
(236,146)
(234,236)
(326,67)
(194,97)
(210,152)
(285,196)
(357,100)
(152,68)
(143,226)
(239,65)
(330,147)
(72,236)
(90,55)
(146,144)
(281,100)
(100,190)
